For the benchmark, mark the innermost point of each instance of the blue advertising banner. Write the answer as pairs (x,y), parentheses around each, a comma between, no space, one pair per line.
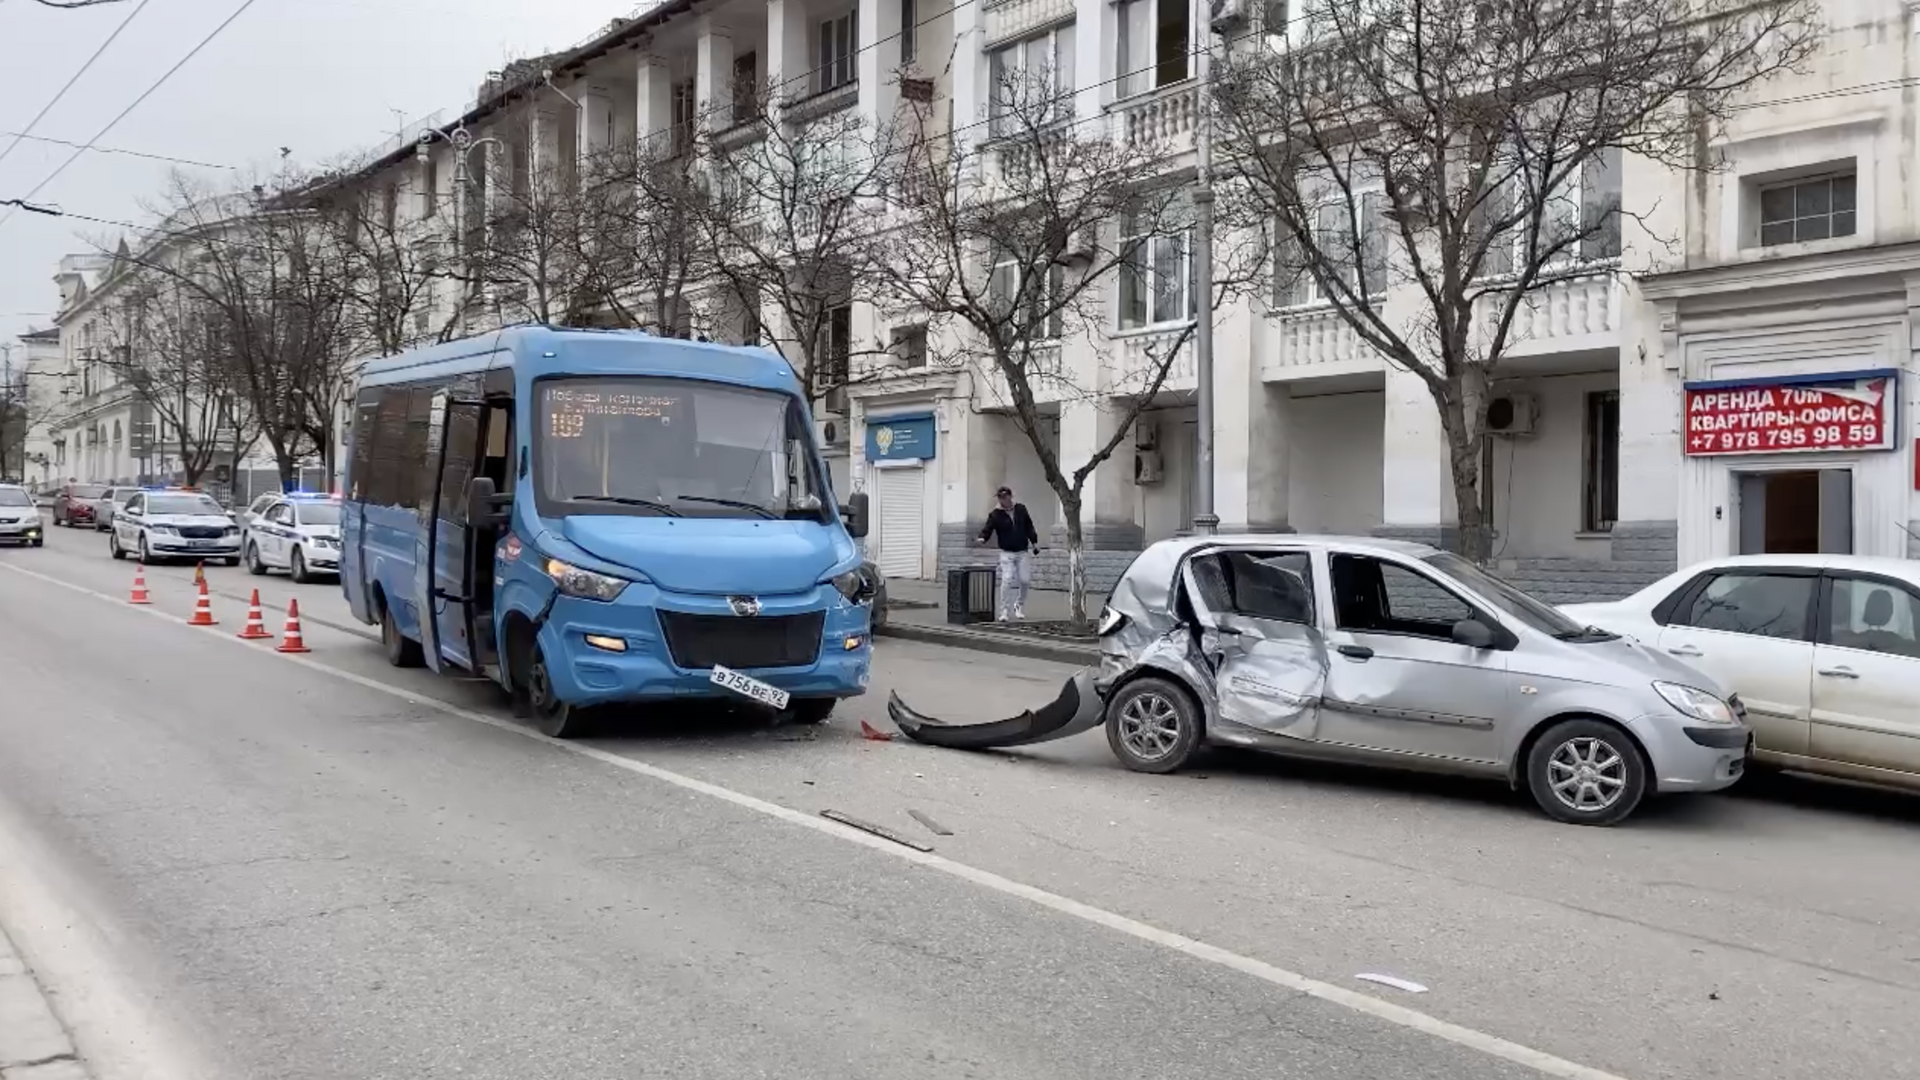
(900,438)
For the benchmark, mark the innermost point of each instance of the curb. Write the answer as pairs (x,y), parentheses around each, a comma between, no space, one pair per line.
(33,1043)
(987,641)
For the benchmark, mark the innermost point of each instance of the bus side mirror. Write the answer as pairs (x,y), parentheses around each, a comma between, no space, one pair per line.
(856,514)
(486,508)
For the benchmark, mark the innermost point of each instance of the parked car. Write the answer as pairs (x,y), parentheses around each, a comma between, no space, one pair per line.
(110,503)
(19,517)
(75,505)
(296,533)
(1384,653)
(174,523)
(1823,649)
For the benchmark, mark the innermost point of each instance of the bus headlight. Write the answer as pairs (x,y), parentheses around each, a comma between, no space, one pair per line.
(585,584)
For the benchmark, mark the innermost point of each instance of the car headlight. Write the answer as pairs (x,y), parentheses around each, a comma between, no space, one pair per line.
(1110,620)
(1696,703)
(232,531)
(584,584)
(167,529)
(853,585)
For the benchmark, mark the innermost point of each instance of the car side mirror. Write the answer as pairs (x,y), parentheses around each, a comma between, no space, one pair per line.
(856,512)
(486,507)
(1473,633)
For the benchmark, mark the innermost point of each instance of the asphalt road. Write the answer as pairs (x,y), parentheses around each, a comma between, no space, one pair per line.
(230,864)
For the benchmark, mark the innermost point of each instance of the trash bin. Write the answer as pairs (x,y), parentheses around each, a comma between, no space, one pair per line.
(971,594)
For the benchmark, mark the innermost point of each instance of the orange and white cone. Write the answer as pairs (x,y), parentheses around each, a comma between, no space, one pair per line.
(200,574)
(139,586)
(256,628)
(292,642)
(203,610)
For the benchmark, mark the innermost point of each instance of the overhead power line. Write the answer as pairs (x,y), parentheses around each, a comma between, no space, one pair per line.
(118,150)
(48,107)
(144,95)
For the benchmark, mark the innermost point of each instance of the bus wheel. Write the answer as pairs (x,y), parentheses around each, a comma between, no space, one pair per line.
(402,651)
(555,718)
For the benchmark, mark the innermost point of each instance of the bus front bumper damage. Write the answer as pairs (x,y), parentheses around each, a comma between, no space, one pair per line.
(1078,709)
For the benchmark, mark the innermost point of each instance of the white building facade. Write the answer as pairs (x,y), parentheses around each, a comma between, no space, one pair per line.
(1594,489)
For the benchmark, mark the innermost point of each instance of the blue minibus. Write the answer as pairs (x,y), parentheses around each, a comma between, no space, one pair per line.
(590,517)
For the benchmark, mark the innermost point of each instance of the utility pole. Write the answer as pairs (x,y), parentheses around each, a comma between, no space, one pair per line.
(1225,18)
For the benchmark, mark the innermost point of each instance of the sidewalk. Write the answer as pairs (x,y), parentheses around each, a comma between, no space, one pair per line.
(33,1044)
(917,610)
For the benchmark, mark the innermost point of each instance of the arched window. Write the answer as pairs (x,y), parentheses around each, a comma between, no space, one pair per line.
(116,433)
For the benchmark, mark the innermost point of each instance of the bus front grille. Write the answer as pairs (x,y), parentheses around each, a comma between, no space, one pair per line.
(703,641)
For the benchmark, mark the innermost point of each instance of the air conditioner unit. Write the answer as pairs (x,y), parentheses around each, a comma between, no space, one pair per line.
(1148,468)
(831,433)
(1512,414)
(1146,435)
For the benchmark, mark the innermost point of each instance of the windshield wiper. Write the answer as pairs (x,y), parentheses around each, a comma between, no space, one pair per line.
(625,501)
(737,504)
(1593,633)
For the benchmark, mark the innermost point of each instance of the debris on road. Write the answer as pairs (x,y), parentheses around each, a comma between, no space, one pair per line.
(1077,709)
(933,826)
(1393,981)
(868,731)
(880,831)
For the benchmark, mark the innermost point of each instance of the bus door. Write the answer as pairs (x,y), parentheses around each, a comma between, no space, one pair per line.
(442,558)
(353,523)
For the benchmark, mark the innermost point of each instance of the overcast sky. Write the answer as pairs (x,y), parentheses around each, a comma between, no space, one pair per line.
(322,77)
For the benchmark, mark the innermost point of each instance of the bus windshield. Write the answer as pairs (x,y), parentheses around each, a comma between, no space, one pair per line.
(674,448)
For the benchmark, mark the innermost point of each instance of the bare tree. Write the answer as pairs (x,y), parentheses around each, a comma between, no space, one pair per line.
(1471,152)
(391,263)
(164,341)
(788,225)
(1015,247)
(531,251)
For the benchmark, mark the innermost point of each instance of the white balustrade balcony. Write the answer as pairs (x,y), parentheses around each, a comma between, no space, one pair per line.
(1166,118)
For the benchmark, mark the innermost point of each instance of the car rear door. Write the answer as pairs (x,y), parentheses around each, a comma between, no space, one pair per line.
(1866,673)
(1256,611)
(1750,628)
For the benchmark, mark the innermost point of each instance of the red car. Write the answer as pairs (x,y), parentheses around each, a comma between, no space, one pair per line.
(75,505)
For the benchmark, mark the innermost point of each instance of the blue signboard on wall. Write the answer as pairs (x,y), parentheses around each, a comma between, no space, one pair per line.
(900,438)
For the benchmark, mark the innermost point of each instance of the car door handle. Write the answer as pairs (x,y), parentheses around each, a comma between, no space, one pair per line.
(1355,652)
(1840,672)
(1684,650)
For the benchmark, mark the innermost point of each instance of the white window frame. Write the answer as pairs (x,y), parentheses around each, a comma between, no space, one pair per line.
(1573,195)
(1760,192)
(1302,289)
(1008,270)
(1139,272)
(1058,44)
(685,114)
(1132,76)
(838,42)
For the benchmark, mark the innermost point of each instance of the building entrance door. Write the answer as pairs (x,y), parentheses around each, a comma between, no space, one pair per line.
(1796,512)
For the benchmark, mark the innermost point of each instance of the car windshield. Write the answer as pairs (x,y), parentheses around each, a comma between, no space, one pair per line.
(675,448)
(14,497)
(184,505)
(319,513)
(88,491)
(1541,616)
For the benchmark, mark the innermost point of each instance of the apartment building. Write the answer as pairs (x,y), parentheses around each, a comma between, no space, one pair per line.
(35,375)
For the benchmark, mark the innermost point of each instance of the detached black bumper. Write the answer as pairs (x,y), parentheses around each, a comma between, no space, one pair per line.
(1077,709)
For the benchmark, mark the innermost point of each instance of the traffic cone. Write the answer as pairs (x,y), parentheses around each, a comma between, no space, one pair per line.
(139,586)
(293,642)
(200,574)
(203,610)
(256,628)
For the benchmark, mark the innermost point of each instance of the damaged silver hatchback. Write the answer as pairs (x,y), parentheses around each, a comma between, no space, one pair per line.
(1387,653)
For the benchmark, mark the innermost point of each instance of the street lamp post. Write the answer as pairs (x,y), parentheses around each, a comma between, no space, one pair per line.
(463,143)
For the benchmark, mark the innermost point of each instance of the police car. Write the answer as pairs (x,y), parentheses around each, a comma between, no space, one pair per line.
(173,523)
(19,517)
(297,533)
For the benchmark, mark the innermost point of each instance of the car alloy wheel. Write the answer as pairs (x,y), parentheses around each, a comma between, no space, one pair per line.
(1586,772)
(1152,726)
(146,553)
(254,565)
(297,567)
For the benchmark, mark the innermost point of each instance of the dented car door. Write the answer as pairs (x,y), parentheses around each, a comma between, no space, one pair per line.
(1259,638)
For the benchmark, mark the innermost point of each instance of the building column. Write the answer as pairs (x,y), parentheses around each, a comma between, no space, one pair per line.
(1417,479)
(969,71)
(713,75)
(653,102)
(595,132)
(973,462)
(1253,438)
(878,62)
(1651,450)
(789,64)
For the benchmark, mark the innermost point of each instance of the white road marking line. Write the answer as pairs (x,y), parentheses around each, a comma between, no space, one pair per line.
(1378,1008)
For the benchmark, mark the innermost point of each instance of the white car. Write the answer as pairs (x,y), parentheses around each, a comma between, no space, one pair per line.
(19,517)
(296,533)
(173,523)
(1823,650)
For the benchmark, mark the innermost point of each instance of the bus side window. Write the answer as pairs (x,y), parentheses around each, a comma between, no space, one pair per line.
(499,447)
(387,471)
(366,424)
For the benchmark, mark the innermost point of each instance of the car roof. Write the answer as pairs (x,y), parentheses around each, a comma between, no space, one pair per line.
(1364,545)
(1906,569)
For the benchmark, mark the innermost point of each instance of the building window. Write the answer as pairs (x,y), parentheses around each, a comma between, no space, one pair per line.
(1042,319)
(836,346)
(686,113)
(909,31)
(1600,481)
(910,345)
(1156,276)
(1366,276)
(1154,45)
(837,49)
(1818,208)
(1037,67)
(1580,222)
(429,187)
(746,87)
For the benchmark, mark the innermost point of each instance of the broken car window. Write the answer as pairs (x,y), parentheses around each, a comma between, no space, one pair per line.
(1372,596)
(1257,584)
